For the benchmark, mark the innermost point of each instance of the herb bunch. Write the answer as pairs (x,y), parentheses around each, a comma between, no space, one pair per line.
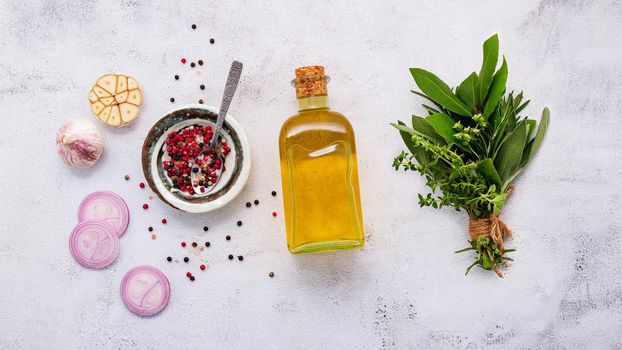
(471,146)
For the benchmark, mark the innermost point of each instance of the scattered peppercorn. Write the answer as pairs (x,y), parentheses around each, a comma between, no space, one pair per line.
(207,244)
(141,185)
(239,223)
(201,101)
(188,274)
(183,60)
(153,236)
(172,99)
(202,267)
(127,177)
(271,274)
(230,256)
(194,244)
(256,201)
(202,87)
(273,193)
(192,278)
(150,229)
(248,204)
(176,77)
(145,206)
(183,244)
(192,64)
(211,40)
(274,213)
(194,26)
(169,259)
(228,238)
(186,259)
(164,221)
(205,228)
(240,257)
(200,62)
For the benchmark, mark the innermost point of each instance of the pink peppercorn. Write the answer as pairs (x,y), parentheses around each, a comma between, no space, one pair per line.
(183,60)
(274,213)
(141,185)
(145,206)
(183,244)
(164,221)
(202,267)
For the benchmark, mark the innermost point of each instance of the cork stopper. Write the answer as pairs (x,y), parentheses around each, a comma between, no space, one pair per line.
(310,81)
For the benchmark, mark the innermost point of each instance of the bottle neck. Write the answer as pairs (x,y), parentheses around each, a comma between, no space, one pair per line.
(313,102)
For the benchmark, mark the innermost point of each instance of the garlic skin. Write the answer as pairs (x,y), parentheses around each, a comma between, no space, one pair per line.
(79,143)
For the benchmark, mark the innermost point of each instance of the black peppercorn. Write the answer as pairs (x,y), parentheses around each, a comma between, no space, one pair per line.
(194,26)
(239,223)
(211,40)
(127,177)
(248,204)
(230,256)
(195,170)
(186,259)
(273,193)
(228,238)
(256,201)
(202,87)
(240,257)
(176,77)
(192,278)
(192,64)
(207,244)
(194,244)
(205,228)
(169,259)
(271,274)
(200,62)
(201,102)
(150,229)
(172,99)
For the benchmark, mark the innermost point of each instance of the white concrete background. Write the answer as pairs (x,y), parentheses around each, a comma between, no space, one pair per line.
(405,289)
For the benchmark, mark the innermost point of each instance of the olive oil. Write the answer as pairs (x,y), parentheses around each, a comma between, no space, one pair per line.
(319,172)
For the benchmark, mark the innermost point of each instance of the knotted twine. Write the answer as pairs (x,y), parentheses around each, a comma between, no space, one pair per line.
(491,226)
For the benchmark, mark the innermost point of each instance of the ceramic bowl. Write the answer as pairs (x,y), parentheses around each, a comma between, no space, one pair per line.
(237,163)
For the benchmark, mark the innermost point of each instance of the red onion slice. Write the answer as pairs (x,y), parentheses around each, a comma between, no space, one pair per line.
(108,207)
(145,290)
(94,244)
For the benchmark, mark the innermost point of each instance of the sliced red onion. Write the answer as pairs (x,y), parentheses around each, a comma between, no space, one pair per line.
(94,244)
(108,207)
(145,290)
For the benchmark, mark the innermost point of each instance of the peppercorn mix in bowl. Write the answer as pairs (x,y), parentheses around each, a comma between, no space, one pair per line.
(180,174)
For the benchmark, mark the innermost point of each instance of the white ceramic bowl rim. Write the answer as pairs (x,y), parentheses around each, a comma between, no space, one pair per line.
(218,202)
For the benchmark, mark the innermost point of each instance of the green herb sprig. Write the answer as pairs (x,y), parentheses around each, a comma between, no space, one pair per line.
(471,146)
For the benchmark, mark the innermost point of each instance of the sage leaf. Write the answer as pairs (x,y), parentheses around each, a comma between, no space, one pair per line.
(425,128)
(420,154)
(511,152)
(468,92)
(489,63)
(444,126)
(438,91)
(487,169)
(542,128)
(496,89)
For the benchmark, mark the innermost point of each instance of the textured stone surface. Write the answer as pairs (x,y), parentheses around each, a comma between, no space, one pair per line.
(406,288)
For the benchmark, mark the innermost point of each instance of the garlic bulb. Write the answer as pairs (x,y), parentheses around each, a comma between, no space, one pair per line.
(79,143)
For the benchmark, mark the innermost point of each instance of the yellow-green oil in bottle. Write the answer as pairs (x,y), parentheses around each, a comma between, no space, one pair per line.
(320,177)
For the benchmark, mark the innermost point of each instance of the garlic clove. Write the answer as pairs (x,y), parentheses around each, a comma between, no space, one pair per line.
(115,116)
(129,112)
(100,92)
(108,82)
(92,96)
(107,100)
(122,97)
(97,107)
(135,97)
(103,116)
(121,84)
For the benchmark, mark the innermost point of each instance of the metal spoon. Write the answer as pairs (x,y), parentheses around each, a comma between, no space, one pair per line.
(210,150)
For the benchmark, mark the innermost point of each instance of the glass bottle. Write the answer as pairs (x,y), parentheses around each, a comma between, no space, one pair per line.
(319,172)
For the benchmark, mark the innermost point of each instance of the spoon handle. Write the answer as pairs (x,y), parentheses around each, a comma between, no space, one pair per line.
(232,84)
